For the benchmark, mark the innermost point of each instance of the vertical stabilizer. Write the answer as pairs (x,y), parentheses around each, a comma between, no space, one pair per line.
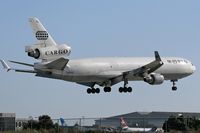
(46,49)
(123,123)
(41,33)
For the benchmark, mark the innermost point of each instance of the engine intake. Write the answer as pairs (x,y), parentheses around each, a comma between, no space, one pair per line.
(154,79)
(35,53)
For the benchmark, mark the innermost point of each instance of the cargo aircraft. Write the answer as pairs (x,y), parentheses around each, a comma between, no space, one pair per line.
(106,72)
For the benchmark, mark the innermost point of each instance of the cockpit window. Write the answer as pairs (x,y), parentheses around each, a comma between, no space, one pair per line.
(169,61)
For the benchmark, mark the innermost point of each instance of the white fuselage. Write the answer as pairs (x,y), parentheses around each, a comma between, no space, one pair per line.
(100,69)
(131,129)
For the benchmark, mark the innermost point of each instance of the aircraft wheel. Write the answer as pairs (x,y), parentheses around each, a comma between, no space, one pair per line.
(97,90)
(89,91)
(120,89)
(125,89)
(107,89)
(129,89)
(174,88)
(93,90)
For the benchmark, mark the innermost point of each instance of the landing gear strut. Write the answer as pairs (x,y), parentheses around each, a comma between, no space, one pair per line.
(125,88)
(174,88)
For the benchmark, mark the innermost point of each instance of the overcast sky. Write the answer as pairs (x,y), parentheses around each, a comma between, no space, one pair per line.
(94,29)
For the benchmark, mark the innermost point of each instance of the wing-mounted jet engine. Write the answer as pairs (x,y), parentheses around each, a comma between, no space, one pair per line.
(46,49)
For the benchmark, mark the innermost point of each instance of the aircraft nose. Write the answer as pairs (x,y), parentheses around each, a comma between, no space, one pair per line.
(193,68)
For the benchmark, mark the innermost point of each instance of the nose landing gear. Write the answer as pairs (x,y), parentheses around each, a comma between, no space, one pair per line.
(174,88)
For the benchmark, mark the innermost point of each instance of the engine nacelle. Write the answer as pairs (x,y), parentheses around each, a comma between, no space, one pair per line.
(47,53)
(154,79)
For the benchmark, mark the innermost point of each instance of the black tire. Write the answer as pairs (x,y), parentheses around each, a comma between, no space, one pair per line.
(93,90)
(89,91)
(129,89)
(105,89)
(109,89)
(120,89)
(97,90)
(125,89)
(174,88)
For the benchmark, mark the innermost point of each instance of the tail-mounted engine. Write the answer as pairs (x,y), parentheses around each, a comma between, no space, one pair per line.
(40,51)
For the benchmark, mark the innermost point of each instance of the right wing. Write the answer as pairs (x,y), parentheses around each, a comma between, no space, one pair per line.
(148,68)
(142,71)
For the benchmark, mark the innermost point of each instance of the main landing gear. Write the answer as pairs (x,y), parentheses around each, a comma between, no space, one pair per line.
(174,88)
(93,90)
(106,89)
(97,90)
(125,88)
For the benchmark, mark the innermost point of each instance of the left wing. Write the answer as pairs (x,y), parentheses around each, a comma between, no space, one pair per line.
(58,64)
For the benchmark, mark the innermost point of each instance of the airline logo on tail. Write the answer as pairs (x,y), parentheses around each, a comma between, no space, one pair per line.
(41,35)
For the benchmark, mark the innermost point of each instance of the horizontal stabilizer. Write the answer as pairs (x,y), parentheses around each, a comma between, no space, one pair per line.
(58,64)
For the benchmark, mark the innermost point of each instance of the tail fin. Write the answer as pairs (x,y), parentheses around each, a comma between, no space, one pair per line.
(123,123)
(46,49)
(41,33)
(63,122)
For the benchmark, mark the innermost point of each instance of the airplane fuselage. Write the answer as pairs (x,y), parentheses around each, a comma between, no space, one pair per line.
(100,69)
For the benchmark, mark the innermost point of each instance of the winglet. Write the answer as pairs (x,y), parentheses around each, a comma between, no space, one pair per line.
(5,65)
(157,57)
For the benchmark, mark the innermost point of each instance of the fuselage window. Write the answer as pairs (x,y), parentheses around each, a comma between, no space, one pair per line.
(185,61)
(174,61)
(169,61)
